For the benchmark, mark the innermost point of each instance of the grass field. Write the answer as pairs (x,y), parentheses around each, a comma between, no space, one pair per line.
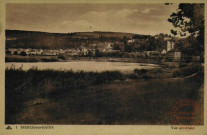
(67,97)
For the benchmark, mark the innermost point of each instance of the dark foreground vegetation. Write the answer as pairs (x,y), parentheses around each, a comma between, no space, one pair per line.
(111,97)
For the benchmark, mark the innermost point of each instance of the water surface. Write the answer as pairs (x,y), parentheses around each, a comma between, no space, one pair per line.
(83,65)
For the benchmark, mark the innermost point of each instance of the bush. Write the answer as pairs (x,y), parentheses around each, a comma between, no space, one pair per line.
(8,59)
(61,57)
(23,53)
(133,76)
(181,65)
(108,76)
(8,52)
(49,60)
(15,53)
(188,70)
(140,71)
(187,59)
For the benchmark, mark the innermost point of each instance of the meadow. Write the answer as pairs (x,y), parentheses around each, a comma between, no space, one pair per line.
(145,96)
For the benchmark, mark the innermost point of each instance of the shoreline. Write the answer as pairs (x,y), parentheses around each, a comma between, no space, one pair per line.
(15,58)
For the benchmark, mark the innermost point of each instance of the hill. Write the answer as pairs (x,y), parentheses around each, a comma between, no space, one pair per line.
(36,39)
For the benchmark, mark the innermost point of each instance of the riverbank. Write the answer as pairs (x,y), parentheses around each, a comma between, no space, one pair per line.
(86,66)
(40,96)
(36,58)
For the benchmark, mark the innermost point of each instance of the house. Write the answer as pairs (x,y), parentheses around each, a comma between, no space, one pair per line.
(20,50)
(12,50)
(84,51)
(195,58)
(167,38)
(11,38)
(177,55)
(109,45)
(174,54)
(133,54)
(39,52)
(140,54)
(49,53)
(163,51)
(170,45)
(130,41)
(156,36)
(147,53)
(154,54)
(61,51)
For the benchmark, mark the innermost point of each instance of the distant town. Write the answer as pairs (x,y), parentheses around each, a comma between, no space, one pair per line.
(162,47)
(102,48)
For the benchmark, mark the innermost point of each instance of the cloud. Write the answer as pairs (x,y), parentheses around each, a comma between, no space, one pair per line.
(109,19)
(122,20)
(132,18)
(65,22)
(125,12)
(146,11)
(75,26)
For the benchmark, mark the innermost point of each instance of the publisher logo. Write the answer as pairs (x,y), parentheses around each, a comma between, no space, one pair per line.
(186,112)
(8,128)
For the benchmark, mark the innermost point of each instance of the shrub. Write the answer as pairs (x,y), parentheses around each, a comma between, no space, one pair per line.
(140,71)
(181,65)
(23,53)
(188,70)
(8,59)
(15,53)
(49,60)
(8,52)
(133,76)
(108,76)
(61,57)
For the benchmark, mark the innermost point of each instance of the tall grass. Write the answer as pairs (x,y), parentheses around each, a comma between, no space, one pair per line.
(188,70)
(8,59)
(22,86)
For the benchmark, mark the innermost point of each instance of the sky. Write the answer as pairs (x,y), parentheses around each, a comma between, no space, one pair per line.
(148,19)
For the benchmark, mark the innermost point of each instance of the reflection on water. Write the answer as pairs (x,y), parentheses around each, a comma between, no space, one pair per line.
(83,65)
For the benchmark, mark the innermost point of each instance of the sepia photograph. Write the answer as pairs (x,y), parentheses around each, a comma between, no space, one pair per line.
(104,63)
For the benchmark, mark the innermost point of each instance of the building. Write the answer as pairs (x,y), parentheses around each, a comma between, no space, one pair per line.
(32,52)
(174,55)
(167,38)
(154,54)
(39,52)
(12,50)
(177,55)
(49,53)
(130,41)
(196,58)
(170,45)
(61,51)
(163,51)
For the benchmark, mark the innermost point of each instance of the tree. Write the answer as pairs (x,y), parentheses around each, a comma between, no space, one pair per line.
(23,53)
(90,53)
(116,47)
(97,53)
(124,40)
(128,48)
(15,53)
(61,57)
(8,52)
(189,19)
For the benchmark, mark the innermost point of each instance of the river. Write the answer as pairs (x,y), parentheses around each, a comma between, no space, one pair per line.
(83,65)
